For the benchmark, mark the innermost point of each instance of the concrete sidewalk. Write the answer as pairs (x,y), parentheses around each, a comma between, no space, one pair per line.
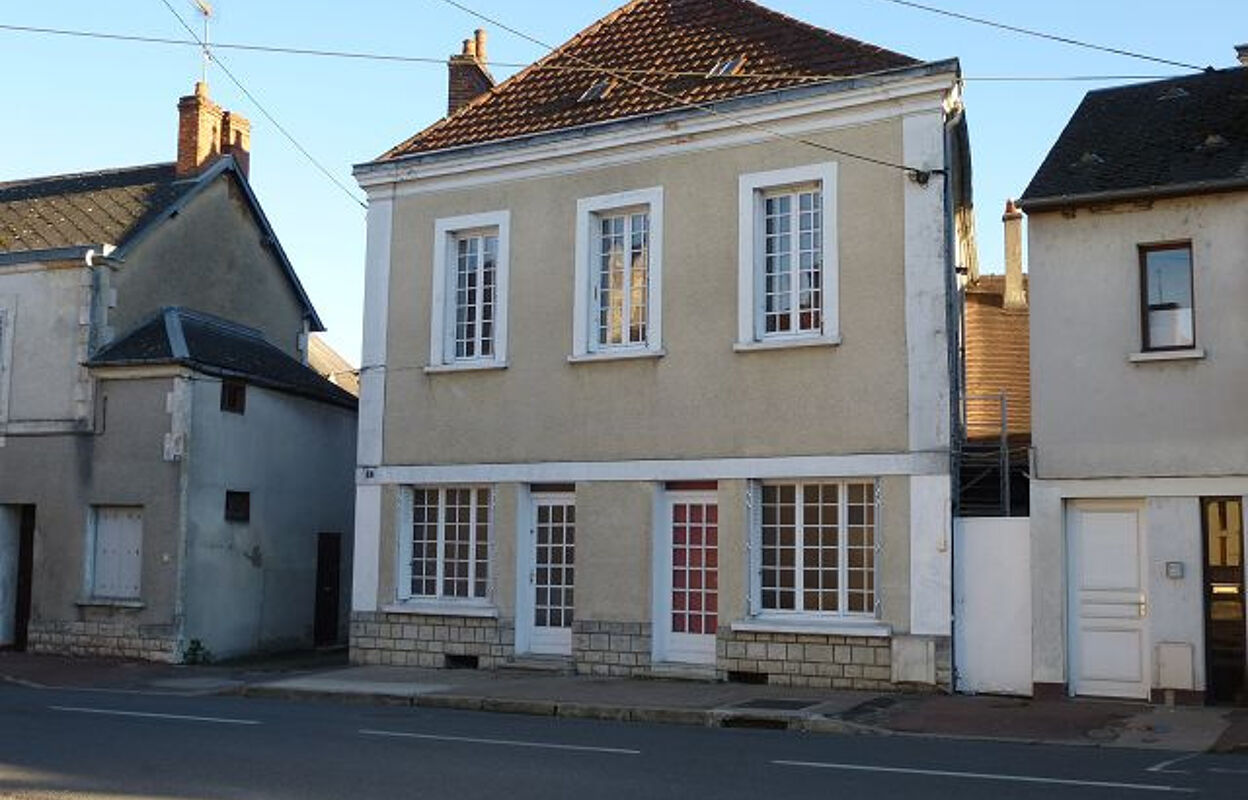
(325,676)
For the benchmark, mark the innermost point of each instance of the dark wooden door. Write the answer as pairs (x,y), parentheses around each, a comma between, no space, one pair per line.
(25,575)
(328,563)
(1226,641)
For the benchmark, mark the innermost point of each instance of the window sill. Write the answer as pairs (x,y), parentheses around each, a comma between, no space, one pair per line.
(615,355)
(443,608)
(104,602)
(467,366)
(786,344)
(1190,354)
(822,627)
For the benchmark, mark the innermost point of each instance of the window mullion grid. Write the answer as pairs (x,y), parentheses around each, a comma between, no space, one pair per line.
(795,263)
(842,549)
(439,575)
(472,542)
(799,544)
(479,332)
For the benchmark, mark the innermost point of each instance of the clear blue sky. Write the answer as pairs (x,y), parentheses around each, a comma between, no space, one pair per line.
(74,105)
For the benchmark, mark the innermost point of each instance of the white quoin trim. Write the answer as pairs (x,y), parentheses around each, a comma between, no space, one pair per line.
(366,564)
(442,311)
(372,408)
(750,252)
(927,355)
(584,335)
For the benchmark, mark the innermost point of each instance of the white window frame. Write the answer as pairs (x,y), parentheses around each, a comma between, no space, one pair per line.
(750,296)
(755,546)
(585,345)
(447,231)
(90,591)
(440,602)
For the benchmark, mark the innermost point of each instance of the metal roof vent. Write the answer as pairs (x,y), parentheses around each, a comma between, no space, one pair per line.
(727,67)
(599,91)
(1173,93)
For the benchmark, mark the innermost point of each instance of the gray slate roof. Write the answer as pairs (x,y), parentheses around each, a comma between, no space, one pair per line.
(89,208)
(1179,136)
(216,346)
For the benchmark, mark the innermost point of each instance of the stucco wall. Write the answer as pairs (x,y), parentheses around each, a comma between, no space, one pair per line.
(45,305)
(252,586)
(701,399)
(121,464)
(1094,412)
(211,257)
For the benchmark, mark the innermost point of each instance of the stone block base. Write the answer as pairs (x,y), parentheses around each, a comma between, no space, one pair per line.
(816,660)
(426,640)
(104,640)
(614,649)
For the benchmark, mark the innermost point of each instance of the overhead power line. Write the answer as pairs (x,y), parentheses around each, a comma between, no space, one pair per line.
(919,174)
(260,106)
(1041,35)
(429,60)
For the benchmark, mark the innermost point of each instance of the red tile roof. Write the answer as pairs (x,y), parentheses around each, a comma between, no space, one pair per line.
(656,36)
(997,360)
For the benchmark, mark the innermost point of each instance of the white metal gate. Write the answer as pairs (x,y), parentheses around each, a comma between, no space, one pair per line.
(992,605)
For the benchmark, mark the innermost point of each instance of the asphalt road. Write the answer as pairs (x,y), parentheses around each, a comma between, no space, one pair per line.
(69,744)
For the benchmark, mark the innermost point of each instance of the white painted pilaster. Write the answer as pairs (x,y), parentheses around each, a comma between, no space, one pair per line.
(931,568)
(376,312)
(367,558)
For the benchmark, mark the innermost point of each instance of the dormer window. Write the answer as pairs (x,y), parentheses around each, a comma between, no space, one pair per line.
(726,67)
(598,91)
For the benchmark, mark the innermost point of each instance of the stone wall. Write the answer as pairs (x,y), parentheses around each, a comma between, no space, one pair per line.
(425,640)
(105,639)
(616,649)
(788,659)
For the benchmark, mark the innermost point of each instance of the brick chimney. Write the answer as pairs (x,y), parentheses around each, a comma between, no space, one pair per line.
(206,132)
(1241,53)
(1015,296)
(469,76)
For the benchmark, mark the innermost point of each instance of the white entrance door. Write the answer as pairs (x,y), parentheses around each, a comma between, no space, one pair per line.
(688,579)
(1108,600)
(552,573)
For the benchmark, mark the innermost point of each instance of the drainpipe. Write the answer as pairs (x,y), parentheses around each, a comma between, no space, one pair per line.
(953,338)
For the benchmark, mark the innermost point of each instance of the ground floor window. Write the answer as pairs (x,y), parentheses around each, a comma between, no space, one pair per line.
(446,548)
(816,544)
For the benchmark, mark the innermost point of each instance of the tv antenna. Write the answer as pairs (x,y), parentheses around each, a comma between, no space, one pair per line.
(205,10)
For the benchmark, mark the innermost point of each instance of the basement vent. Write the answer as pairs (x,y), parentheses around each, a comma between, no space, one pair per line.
(461,662)
(747,677)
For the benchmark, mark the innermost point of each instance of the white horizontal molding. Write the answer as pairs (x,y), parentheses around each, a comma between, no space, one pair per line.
(523,159)
(1143,487)
(443,608)
(141,372)
(465,366)
(1166,355)
(787,343)
(17,428)
(846,466)
(813,626)
(621,354)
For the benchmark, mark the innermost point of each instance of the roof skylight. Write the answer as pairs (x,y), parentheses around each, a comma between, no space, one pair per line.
(598,91)
(726,67)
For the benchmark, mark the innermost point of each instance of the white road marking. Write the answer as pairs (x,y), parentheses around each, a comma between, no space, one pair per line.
(1161,767)
(620,751)
(150,715)
(1224,771)
(987,776)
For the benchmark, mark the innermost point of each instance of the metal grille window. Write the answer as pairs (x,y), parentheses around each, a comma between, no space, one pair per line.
(792,262)
(449,554)
(818,548)
(622,291)
(476,259)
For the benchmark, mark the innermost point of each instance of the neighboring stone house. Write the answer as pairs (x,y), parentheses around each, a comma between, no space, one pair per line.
(656,374)
(1139,352)
(171,471)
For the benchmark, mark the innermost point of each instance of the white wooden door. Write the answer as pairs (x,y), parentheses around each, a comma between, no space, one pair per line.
(688,609)
(552,574)
(1108,602)
(117,552)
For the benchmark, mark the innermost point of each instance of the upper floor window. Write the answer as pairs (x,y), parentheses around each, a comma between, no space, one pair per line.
(618,282)
(470,270)
(1166,296)
(788,277)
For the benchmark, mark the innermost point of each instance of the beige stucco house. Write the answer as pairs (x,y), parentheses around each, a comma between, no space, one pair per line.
(175,481)
(1139,353)
(657,357)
